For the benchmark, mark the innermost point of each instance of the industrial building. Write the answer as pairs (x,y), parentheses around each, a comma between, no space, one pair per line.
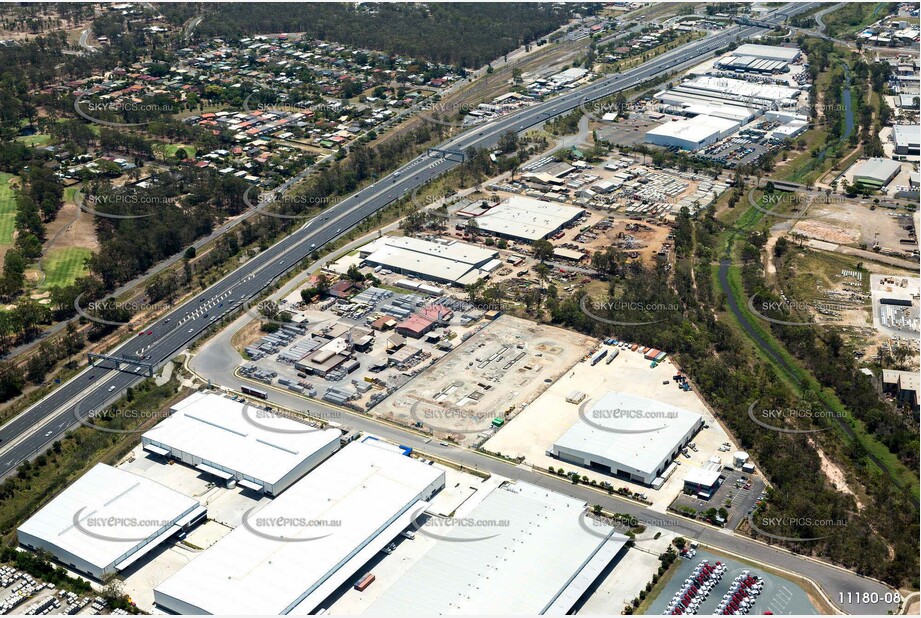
(725,92)
(227,440)
(692,133)
(628,436)
(348,510)
(527,219)
(875,173)
(769,52)
(443,261)
(906,138)
(751,64)
(702,481)
(107,520)
(542,562)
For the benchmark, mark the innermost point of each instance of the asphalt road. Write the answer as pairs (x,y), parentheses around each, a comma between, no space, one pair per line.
(92,389)
(217,361)
(36,428)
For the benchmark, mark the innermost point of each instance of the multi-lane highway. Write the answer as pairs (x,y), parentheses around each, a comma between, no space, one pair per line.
(37,427)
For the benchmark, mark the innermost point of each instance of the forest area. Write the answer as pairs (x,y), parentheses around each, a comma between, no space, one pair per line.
(462,34)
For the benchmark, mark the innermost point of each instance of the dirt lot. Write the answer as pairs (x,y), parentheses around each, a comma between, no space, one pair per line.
(844,222)
(495,373)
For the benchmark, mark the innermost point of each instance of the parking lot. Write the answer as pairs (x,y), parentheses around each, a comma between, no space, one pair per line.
(539,425)
(21,594)
(779,596)
(737,493)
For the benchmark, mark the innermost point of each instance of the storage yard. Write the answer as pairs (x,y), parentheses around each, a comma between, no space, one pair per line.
(355,350)
(532,434)
(896,305)
(777,595)
(460,397)
(622,185)
(20,593)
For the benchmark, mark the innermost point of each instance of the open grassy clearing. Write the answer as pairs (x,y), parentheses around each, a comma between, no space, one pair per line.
(7,210)
(63,266)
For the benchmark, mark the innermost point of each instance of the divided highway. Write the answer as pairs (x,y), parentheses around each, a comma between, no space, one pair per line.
(37,427)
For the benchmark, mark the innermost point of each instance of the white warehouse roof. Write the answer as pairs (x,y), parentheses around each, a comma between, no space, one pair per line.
(85,524)
(450,261)
(229,436)
(630,429)
(878,169)
(906,134)
(691,133)
(365,494)
(527,218)
(769,52)
(545,557)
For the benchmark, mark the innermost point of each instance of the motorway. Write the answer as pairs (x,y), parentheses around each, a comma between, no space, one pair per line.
(93,388)
(33,431)
(96,386)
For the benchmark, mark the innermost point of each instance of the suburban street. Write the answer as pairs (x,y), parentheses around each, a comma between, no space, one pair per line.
(35,429)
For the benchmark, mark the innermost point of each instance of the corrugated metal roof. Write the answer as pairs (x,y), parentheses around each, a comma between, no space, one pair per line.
(364,488)
(523,567)
(108,502)
(215,429)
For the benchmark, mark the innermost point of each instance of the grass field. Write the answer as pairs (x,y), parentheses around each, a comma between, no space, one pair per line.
(170,150)
(797,378)
(63,266)
(7,210)
(34,141)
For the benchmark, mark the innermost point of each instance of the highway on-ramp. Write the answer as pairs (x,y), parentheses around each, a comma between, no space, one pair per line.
(93,388)
(33,431)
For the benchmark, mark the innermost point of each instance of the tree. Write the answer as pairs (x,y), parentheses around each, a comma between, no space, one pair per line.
(542,250)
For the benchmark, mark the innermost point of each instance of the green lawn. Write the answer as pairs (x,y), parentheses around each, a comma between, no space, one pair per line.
(63,266)
(34,141)
(7,209)
(170,150)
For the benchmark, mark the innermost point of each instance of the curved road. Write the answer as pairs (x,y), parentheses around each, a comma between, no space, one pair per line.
(96,386)
(217,360)
(36,428)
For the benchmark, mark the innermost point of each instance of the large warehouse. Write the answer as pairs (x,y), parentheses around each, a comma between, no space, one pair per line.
(875,173)
(447,261)
(107,519)
(768,52)
(346,511)
(906,138)
(527,219)
(727,91)
(508,569)
(225,439)
(692,133)
(628,436)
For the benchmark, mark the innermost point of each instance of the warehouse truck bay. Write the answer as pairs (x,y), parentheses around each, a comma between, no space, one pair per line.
(493,309)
